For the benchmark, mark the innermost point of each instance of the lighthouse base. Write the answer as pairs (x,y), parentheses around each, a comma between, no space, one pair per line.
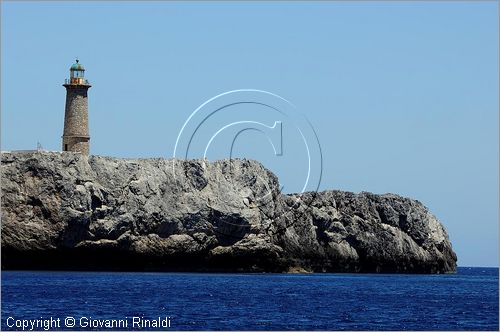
(76,144)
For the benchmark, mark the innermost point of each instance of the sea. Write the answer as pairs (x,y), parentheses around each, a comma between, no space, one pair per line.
(467,300)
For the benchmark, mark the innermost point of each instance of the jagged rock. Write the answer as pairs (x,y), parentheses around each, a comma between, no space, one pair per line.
(71,211)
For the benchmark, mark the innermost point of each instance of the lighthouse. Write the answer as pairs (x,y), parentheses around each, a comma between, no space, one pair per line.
(76,135)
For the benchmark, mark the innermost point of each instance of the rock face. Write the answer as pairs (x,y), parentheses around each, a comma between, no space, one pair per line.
(71,211)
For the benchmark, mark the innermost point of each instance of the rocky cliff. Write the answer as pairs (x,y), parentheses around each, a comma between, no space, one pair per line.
(70,211)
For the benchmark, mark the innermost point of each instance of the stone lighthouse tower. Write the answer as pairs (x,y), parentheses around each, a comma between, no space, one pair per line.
(76,114)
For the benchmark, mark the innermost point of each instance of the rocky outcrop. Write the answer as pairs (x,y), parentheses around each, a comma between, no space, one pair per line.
(71,211)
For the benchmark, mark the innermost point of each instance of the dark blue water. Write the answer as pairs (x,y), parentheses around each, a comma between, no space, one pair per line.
(467,300)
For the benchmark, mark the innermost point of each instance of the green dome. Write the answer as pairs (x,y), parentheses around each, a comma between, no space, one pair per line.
(77,66)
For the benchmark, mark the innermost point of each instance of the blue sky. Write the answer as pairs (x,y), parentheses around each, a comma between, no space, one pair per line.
(403,96)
